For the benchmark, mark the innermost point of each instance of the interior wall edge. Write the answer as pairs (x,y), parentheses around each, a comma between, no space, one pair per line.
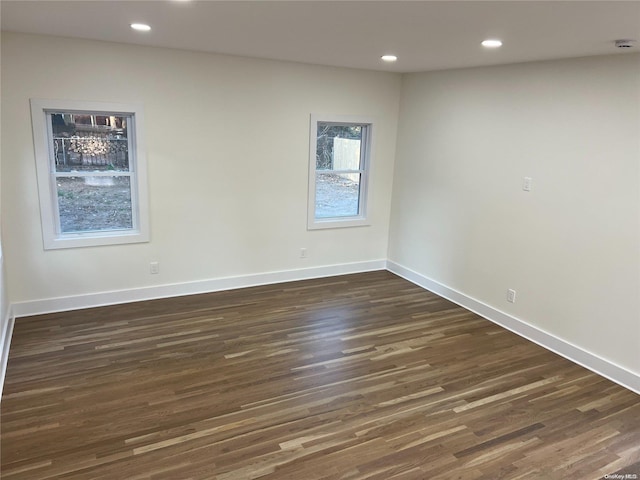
(5,343)
(574,353)
(91,300)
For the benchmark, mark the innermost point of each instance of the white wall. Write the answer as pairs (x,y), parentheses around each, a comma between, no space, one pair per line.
(5,321)
(571,246)
(227,142)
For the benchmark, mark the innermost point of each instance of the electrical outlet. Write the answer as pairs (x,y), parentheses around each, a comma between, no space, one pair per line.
(303,253)
(511,296)
(154,268)
(527,183)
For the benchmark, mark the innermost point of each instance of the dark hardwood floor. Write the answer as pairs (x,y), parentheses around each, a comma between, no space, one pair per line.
(361,376)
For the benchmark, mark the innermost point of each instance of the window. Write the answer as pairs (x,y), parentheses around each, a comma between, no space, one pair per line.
(91,173)
(340,158)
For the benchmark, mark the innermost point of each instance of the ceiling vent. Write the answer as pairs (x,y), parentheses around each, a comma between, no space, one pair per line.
(625,43)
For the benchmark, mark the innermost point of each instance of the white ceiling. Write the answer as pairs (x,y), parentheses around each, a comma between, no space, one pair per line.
(425,35)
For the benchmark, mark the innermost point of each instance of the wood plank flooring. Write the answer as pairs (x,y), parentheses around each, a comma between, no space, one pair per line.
(355,377)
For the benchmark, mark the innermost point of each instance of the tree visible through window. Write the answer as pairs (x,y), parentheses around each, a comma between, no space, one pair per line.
(91,173)
(338,173)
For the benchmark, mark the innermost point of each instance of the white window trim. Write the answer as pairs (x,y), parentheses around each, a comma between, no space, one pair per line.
(47,191)
(362,218)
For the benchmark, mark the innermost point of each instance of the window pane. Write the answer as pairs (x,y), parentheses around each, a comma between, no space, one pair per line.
(94,203)
(337,195)
(90,142)
(338,147)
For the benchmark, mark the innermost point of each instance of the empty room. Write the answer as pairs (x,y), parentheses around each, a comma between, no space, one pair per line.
(309,240)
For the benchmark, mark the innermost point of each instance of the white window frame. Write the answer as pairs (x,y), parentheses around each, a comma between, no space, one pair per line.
(53,238)
(366,160)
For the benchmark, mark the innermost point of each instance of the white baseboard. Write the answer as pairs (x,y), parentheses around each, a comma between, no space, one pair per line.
(5,342)
(547,340)
(578,355)
(90,300)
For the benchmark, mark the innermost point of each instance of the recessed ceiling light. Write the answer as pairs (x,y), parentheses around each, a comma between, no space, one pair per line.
(389,58)
(141,27)
(491,43)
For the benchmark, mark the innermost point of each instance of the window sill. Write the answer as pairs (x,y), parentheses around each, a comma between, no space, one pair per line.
(319,224)
(95,240)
